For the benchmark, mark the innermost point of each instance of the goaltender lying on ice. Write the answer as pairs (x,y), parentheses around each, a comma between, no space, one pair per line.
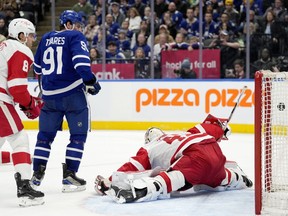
(176,162)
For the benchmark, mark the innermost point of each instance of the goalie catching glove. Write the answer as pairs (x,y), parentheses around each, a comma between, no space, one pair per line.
(32,111)
(92,86)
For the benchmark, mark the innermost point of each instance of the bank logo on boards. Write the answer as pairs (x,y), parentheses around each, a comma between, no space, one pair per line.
(192,97)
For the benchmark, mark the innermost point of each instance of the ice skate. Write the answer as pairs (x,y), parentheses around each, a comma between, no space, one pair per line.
(71,183)
(38,176)
(26,194)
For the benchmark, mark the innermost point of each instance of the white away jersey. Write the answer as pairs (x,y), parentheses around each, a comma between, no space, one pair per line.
(15,62)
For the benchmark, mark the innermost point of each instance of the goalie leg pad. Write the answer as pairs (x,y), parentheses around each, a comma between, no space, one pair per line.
(143,189)
(236,180)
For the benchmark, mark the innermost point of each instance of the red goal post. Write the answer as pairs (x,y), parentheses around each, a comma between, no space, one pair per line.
(271,143)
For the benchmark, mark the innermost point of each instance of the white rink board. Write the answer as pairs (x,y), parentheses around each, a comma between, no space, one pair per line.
(169,100)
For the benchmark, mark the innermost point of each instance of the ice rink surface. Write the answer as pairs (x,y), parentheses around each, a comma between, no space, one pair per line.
(104,152)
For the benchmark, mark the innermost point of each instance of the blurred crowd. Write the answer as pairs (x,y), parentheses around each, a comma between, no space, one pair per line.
(176,27)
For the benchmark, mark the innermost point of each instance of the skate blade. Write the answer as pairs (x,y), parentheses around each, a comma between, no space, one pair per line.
(26,201)
(73,188)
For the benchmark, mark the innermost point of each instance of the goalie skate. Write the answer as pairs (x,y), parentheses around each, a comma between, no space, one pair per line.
(26,194)
(125,196)
(71,183)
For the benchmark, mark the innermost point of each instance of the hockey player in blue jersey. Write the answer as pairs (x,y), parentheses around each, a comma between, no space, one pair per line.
(62,60)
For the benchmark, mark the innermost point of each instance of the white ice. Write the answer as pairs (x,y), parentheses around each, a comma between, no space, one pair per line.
(104,152)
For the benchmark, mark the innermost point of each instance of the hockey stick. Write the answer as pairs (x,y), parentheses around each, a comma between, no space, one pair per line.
(236,105)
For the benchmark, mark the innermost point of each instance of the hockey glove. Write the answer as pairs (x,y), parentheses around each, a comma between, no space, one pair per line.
(92,86)
(102,185)
(32,111)
(93,89)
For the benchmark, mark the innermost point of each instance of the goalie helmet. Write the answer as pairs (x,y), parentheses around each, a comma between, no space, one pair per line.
(20,25)
(69,15)
(153,133)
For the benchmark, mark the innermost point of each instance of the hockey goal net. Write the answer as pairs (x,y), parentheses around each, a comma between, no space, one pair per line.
(271,143)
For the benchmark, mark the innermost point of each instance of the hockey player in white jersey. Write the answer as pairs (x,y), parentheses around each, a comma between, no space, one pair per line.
(16,59)
(62,60)
(176,162)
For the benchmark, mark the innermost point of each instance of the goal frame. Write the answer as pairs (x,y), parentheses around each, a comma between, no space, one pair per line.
(257,141)
(262,137)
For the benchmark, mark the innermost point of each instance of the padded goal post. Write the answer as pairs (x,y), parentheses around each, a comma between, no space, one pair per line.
(271,143)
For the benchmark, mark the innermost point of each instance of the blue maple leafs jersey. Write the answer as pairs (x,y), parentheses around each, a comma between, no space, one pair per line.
(62,60)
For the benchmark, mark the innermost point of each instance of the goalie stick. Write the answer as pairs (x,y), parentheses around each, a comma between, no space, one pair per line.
(236,105)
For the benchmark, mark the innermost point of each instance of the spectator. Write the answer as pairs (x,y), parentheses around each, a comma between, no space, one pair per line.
(125,26)
(140,7)
(167,20)
(163,29)
(83,5)
(141,42)
(111,25)
(252,19)
(147,13)
(232,12)
(27,9)
(98,13)
(229,50)
(3,28)
(185,71)
(160,8)
(239,69)
(118,16)
(97,40)
(278,10)
(124,6)
(189,26)
(10,10)
(273,31)
(142,67)
(113,55)
(181,6)
(143,30)
(175,14)
(210,9)
(194,43)
(134,20)
(265,62)
(91,29)
(161,45)
(94,56)
(124,43)
(209,26)
(226,24)
(180,43)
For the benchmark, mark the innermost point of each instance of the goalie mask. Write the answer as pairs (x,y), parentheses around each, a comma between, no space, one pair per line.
(152,134)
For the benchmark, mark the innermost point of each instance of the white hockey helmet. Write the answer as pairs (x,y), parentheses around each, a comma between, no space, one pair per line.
(20,25)
(153,133)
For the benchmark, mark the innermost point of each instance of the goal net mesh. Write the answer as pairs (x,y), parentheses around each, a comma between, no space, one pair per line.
(274,143)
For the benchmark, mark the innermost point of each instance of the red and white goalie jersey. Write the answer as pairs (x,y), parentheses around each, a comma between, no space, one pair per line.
(16,60)
(195,153)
